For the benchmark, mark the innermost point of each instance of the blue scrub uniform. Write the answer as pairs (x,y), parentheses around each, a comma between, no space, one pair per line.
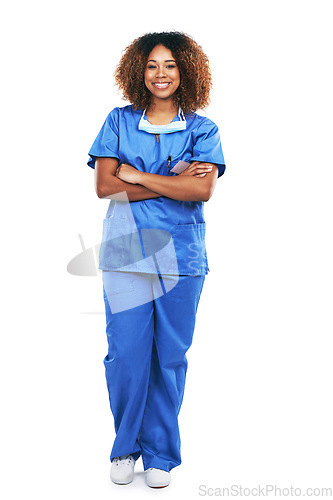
(154,263)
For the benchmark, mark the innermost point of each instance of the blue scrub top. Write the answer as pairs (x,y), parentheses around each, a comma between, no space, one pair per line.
(157,234)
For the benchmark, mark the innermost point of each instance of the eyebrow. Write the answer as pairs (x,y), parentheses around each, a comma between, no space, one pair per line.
(167,60)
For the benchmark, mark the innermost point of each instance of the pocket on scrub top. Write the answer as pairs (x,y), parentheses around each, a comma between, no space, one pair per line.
(120,245)
(112,248)
(168,166)
(117,282)
(189,243)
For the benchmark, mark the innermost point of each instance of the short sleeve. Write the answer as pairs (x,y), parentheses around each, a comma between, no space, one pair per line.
(207,147)
(106,143)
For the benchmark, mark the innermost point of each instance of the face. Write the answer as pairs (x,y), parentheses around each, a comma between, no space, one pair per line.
(162,76)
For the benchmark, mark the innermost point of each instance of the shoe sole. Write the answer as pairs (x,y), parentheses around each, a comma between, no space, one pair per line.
(127,482)
(158,487)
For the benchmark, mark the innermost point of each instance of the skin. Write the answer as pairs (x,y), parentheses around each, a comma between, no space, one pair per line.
(196,183)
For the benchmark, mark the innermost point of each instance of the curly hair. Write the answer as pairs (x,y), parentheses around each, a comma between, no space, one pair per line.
(195,76)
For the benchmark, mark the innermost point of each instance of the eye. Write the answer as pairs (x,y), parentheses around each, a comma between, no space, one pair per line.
(151,66)
(171,66)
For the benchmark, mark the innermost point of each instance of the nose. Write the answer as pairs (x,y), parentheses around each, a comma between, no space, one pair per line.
(160,73)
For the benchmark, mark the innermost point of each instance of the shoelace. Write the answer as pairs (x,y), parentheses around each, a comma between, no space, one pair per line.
(128,458)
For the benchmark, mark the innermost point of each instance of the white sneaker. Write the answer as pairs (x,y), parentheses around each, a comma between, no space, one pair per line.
(122,469)
(157,478)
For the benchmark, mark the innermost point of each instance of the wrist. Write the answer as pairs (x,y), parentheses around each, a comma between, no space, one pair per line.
(140,177)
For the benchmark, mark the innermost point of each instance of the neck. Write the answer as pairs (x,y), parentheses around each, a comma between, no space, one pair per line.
(162,107)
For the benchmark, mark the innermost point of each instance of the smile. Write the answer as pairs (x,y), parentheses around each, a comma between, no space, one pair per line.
(162,85)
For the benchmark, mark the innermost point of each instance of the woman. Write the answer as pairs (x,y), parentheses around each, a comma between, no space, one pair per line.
(158,161)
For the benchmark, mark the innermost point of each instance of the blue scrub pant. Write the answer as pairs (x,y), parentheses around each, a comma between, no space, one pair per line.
(150,322)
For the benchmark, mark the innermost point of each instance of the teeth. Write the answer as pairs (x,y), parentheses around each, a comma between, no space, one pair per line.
(161,85)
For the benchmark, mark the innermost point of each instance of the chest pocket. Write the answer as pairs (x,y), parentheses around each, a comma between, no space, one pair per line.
(168,165)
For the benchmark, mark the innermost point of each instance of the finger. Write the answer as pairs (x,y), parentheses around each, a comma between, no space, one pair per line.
(202,171)
(201,166)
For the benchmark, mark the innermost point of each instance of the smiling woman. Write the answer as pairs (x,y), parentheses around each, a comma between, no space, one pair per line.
(193,65)
(153,253)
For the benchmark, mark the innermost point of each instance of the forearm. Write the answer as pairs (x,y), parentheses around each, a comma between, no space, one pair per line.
(182,188)
(135,192)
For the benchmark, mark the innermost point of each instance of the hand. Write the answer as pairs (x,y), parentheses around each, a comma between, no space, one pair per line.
(128,173)
(198,169)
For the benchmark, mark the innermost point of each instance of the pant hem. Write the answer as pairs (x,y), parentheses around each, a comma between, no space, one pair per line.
(158,464)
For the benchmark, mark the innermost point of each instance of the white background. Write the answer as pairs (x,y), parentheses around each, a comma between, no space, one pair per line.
(258,398)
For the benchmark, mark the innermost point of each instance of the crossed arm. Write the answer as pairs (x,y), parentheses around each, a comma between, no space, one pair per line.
(196,183)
